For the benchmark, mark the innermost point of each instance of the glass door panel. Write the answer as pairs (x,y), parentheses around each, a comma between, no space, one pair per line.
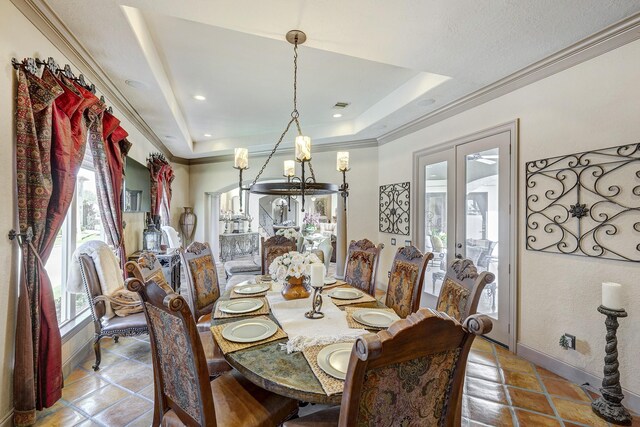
(435,224)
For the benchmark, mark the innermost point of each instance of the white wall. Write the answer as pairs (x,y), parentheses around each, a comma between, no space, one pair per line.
(19,38)
(363,187)
(593,105)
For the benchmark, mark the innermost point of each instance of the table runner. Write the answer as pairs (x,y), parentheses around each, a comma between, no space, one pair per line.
(305,332)
(221,315)
(230,346)
(329,384)
(353,323)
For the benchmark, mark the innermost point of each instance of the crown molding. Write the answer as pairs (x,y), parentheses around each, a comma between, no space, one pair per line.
(610,38)
(54,29)
(318,148)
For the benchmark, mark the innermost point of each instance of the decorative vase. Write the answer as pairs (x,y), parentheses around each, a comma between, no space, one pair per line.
(187,224)
(294,288)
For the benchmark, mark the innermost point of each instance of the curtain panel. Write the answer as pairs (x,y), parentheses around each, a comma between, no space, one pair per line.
(161,174)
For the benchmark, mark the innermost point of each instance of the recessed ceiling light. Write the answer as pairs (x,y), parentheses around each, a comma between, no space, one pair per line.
(170,137)
(207,135)
(136,84)
(199,97)
(337,115)
(426,102)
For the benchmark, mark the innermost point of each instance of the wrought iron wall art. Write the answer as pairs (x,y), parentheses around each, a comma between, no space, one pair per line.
(586,204)
(394,208)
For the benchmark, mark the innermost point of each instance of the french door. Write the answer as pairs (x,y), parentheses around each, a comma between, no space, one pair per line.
(464,198)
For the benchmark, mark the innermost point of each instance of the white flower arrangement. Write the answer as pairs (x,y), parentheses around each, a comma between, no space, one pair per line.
(289,233)
(293,264)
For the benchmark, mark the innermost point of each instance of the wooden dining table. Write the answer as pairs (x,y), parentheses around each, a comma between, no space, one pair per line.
(270,367)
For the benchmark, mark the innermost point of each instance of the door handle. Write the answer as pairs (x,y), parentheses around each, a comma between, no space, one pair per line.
(459,245)
(458,256)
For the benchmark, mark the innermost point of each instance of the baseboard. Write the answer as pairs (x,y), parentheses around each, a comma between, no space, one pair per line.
(7,421)
(573,374)
(76,359)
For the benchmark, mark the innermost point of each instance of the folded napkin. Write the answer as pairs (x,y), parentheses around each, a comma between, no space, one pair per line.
(303,332)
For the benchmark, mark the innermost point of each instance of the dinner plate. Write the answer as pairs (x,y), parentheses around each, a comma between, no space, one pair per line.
(330,280)
(241,305)
(265,278)
(345,293)
(252,288)
(250,330)
(334,359)
(375,318)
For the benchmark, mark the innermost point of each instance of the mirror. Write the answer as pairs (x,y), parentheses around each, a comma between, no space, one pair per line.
(137,195)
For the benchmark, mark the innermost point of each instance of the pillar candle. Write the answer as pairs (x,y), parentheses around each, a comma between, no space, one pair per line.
(317,275)
(241,158)
(342,161)
(612,295)
(289,168)
(303,148)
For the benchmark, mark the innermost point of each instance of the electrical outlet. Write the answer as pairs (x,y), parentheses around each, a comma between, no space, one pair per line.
(568,342)
(389,274)
(393,241)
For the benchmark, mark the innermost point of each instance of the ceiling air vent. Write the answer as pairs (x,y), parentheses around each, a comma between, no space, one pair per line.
(341,105)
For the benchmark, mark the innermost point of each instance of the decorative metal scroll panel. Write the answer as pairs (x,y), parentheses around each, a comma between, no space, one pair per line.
(394,208)
(586,204)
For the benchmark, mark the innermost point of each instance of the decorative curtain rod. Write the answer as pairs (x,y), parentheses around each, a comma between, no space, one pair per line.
(33,64)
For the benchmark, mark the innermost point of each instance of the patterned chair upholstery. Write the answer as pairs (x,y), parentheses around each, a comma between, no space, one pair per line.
(411,374)
(148,269)
(405,282)
(361,266)
(462,288)
(183,392)
(272,248)
(133,324)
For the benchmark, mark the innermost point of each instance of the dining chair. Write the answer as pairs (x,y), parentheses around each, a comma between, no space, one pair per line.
(361,266)
(171,236)
(183,393)
(115,326)
(406,279)
(410,374)
(202,289)
(147,269)
(461,289)
(272,248)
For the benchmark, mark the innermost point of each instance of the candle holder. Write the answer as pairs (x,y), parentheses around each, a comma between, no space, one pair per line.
(609,406)
(316,305)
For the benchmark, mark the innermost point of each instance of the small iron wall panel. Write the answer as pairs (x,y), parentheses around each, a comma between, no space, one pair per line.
(394,213)
(586,204)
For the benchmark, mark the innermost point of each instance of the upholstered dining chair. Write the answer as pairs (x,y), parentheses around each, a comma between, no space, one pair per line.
(361,266)
(148,269)
(202,288)
(461,289)
(183,393)
(272,248)
(406,279)
(410,374)
(114,327)
(171,236)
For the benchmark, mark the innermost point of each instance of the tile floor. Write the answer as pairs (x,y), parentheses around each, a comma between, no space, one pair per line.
(501,389)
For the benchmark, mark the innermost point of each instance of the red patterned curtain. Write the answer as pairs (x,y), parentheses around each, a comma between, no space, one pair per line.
(108,148)
(49,152)
(162,176)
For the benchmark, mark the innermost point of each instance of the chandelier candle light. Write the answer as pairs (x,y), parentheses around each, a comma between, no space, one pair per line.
(342,165)
(294,185)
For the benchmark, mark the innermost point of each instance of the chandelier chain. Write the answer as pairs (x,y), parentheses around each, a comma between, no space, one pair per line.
(273,151)
(295,114)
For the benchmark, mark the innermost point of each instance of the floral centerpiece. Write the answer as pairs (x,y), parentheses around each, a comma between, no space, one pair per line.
(289,233)
(291,269)
(311,222)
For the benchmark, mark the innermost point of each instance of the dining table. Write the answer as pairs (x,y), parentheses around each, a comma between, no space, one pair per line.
(269,366)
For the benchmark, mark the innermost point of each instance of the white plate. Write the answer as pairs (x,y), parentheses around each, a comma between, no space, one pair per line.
(345,293)
(265,278)
(330,280)
(334,359)
(375,318)
(242,305)
(250,330)
(252,288)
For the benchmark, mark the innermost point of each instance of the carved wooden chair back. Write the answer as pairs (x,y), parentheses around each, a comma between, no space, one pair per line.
(181,376)
(361,266)
(420,361)
(202,287)
(272,248)
(147,268)
(406,279)
(461,289)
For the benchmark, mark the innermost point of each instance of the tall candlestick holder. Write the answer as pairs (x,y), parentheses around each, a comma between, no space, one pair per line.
(316,304)
(609,406)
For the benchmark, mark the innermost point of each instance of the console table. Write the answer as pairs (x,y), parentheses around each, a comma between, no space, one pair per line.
(233,245)
(170,267)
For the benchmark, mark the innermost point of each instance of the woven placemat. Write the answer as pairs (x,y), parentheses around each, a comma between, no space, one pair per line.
(329,384)
(263,310)
(353,323)
(229,346)
(335,285)
(235,295)
(364,298)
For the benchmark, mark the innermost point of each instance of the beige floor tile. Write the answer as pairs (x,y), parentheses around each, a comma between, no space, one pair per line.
(482,345)
(63,417)
(522,380)
(131,349)
(89,423)
(563,388)
(101,399)
(487,390)
(514,363)
(77,374)
(482,357)
(530,400)
(124,412)
(546,373)
(82,387)
(147,392)
(129,374)
(144,421)
(578,412)
(526,418)
(489,373)
(108,358)
(486,412)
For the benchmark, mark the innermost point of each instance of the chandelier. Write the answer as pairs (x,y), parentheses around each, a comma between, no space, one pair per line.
(303,185)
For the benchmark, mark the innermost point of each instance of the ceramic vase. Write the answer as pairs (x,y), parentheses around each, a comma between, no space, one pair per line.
(187,224)
(294,288)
